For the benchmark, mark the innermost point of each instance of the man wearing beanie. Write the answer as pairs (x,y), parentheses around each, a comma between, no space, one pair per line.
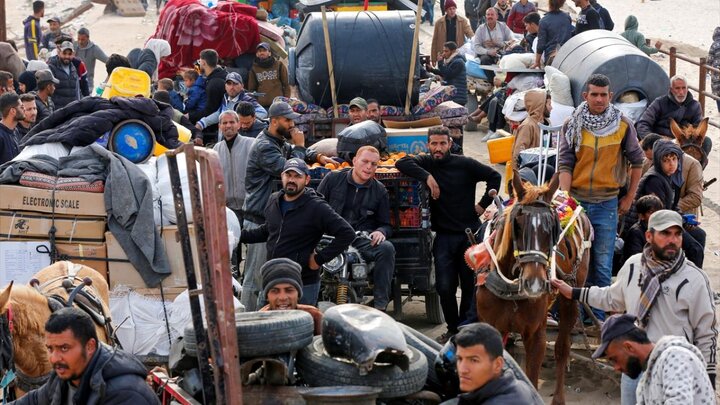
(450,27)
(282,289)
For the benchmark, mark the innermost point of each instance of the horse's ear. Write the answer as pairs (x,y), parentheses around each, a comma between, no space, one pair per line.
(5,297)
(702,128)
(676,131)
(552,188)
(518,185)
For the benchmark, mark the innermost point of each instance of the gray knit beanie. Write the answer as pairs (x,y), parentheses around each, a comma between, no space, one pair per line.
(278,271)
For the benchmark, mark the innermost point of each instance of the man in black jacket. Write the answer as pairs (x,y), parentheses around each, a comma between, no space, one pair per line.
(63,68)
(362,200)
(452,212)
(214,91)
(295,220)
(86,371)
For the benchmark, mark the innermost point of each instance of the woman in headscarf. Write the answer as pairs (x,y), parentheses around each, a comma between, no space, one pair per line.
(148,59)
(664,178)
(713,60)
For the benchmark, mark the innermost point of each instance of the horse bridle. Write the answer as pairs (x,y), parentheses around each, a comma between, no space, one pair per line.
(699,149)
(534,209)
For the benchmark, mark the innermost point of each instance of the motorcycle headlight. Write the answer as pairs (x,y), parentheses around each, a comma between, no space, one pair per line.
(335,264)
(359,271)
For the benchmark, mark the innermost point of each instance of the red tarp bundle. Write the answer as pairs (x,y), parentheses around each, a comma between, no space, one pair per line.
(189,27)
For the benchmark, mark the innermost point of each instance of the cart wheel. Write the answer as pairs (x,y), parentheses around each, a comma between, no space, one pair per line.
(433,310)
(471,105)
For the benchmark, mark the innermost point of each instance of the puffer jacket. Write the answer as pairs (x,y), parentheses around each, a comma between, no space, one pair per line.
(68,90)
(267,159)
(675,374)
(453,73)
(112,377)
(528,133)
(656,119)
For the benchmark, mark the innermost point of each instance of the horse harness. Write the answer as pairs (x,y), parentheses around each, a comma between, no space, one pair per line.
(88,301)
(507,289)
(689,146)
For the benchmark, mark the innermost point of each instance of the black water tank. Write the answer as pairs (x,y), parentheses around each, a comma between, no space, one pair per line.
(370,53)
(601,51)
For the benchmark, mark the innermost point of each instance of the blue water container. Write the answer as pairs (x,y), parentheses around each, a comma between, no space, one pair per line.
(133,140)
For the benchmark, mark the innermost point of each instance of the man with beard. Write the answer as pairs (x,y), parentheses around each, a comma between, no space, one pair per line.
(678,105)
(452,180)
(63,68)
(295,220)
(358,110)
(671,370)
(250,125)
(46,83)
(30,110)
(268,76)
(538,106)
(283,287)
(373,111)
(12,113)
(268,156)
(667,292)
(234,94)
(85,370)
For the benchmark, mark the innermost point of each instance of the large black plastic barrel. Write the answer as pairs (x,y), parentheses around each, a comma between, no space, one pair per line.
(627,67)
(370,52)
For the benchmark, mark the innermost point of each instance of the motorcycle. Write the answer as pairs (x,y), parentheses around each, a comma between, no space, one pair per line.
(344,279)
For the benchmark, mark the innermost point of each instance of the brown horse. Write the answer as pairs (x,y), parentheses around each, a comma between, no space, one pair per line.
(28,308)
(527,233)
(690,138)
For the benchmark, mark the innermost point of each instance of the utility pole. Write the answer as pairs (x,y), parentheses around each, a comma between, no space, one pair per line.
(3,22)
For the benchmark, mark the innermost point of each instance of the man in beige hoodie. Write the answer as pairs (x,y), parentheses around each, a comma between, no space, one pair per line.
(537,105)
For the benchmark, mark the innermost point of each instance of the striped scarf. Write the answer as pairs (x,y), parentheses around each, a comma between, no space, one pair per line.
(653,272)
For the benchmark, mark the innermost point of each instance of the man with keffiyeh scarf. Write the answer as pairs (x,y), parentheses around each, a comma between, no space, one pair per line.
(597,145)
(667,292)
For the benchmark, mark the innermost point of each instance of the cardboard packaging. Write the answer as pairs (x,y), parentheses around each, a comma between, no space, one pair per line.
(19,198)
(123,273)
(19,225)
(88,251)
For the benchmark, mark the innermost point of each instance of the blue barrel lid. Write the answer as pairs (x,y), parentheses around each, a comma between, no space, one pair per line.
(133,140)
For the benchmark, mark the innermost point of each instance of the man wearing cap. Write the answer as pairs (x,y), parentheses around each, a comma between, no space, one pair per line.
(268,76)
(89,52)
(234,93)
(450,27)
(46,84)
(667,292)
(63,68)
(295,220)
(282,288)
(266,162)
(33,33)
(48,40)
(670,371)
(358,110)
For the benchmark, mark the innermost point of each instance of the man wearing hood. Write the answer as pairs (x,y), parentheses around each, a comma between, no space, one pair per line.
(671,368)
(636,38)
(268,76)
(664,178)
(538,107)
(89,52)
(148,59)
(451,66)
(295,220)
(678,105)
(667,292)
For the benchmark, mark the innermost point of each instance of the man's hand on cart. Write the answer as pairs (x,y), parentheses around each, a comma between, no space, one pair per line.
(433,186)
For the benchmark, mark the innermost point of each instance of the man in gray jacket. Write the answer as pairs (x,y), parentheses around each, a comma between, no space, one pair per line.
(89,52)
(667,292)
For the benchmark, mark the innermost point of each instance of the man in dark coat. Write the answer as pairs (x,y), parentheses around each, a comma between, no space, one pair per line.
(451,66)
(214,90)
(86,371)
(678,105)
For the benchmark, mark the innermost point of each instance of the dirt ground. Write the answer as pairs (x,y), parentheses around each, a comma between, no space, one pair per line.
(687,25)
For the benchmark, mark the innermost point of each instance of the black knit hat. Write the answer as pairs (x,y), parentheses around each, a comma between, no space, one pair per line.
(278,271)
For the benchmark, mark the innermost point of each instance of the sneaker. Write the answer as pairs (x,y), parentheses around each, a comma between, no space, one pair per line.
(488,136)
(495,135)
(551,322)
(442,339)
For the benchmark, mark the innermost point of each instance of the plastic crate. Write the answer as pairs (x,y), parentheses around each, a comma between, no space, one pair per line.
(408,217)
(318,173)
(413,258)
(500,149)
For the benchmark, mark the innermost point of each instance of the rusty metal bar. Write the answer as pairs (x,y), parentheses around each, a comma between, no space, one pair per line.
(195,309)
(703,78)
(3,21)
(673,60)
(209,216)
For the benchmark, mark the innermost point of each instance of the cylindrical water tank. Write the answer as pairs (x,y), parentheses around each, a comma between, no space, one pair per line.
(627,67)
(370,53)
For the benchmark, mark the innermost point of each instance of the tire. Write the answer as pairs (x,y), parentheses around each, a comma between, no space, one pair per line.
(319,370)
(433,310)
(325,305)
(471,105)
(265,333)
(429,351)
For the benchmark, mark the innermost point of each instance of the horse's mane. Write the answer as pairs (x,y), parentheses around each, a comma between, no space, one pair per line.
(26,300)
(531,194)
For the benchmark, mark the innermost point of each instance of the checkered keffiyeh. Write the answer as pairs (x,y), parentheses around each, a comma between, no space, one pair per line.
(600,125)
(652,274)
